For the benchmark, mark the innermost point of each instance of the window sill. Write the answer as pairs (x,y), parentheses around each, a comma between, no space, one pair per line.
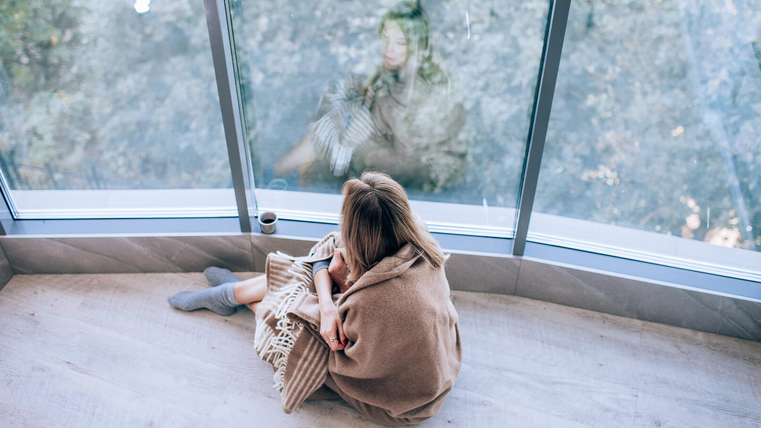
(573,277)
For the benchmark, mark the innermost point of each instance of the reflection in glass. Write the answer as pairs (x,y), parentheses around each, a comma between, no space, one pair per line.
(403,118)
(438,94)
(656,120)
(108,95)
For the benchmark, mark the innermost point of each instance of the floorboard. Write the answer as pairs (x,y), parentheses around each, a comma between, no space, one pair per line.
(108,351)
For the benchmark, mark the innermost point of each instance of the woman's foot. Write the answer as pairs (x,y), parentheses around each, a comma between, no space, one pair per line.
(219,299)
(218,276)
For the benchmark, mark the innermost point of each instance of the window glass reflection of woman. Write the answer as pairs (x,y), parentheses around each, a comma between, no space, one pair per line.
(405,118)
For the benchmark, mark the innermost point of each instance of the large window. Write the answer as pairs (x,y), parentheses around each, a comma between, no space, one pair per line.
(438,94)
(652,152)
(655,127)
(110,109)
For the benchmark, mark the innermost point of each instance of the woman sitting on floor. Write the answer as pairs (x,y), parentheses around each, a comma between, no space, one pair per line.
(379,330)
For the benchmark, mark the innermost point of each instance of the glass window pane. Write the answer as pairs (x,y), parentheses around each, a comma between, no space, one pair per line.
(110,108)
(655,133)
(439,97)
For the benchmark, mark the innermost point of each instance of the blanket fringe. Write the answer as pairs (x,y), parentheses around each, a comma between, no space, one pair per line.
(275,346)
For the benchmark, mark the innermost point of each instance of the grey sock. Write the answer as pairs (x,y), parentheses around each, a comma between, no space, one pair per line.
(219,299)
(217,276)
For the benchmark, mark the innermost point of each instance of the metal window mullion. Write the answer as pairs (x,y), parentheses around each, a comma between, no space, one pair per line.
(224,69)
(7,210)
(540,119)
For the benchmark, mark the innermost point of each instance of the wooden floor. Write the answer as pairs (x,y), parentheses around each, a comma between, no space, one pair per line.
(108,351)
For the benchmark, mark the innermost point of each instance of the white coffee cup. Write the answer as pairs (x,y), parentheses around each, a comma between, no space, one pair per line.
(267,222)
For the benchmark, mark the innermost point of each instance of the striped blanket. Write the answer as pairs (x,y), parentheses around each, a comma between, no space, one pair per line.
(277,335)
(342,124)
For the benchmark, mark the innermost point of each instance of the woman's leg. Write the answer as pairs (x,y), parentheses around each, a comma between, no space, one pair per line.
(301,157)
(217,276)
(251,290)
(220,299)
(223,298)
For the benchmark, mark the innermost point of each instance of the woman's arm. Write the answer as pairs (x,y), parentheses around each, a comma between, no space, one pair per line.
(338,270)
(330,324)
(370,82)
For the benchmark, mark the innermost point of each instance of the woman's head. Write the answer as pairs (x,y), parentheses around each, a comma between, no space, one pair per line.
(409,19)
(393,46)
(405,33)
(376,221)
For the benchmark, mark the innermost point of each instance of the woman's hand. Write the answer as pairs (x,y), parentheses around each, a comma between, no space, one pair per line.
(331,328)
(339,271)
(369,97)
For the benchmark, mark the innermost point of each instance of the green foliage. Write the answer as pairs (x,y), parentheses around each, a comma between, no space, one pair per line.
(100,96)
(656,113)
(34,42)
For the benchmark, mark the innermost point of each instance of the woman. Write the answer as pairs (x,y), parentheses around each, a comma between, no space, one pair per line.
(385,339)
(404,119)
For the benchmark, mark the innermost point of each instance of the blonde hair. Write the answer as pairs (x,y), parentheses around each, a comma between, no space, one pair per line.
(416,27)
(376,221)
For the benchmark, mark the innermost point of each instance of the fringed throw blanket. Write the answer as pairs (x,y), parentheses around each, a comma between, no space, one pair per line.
(288,278)
(403,352)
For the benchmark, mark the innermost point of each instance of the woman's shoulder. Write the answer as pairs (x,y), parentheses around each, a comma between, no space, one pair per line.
(403,272)
(420,278)
(423,271)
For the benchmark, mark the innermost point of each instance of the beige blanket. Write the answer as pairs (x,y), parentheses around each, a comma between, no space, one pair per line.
(404,348)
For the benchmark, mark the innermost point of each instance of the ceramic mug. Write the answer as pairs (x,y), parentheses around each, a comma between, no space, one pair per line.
(267,222)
